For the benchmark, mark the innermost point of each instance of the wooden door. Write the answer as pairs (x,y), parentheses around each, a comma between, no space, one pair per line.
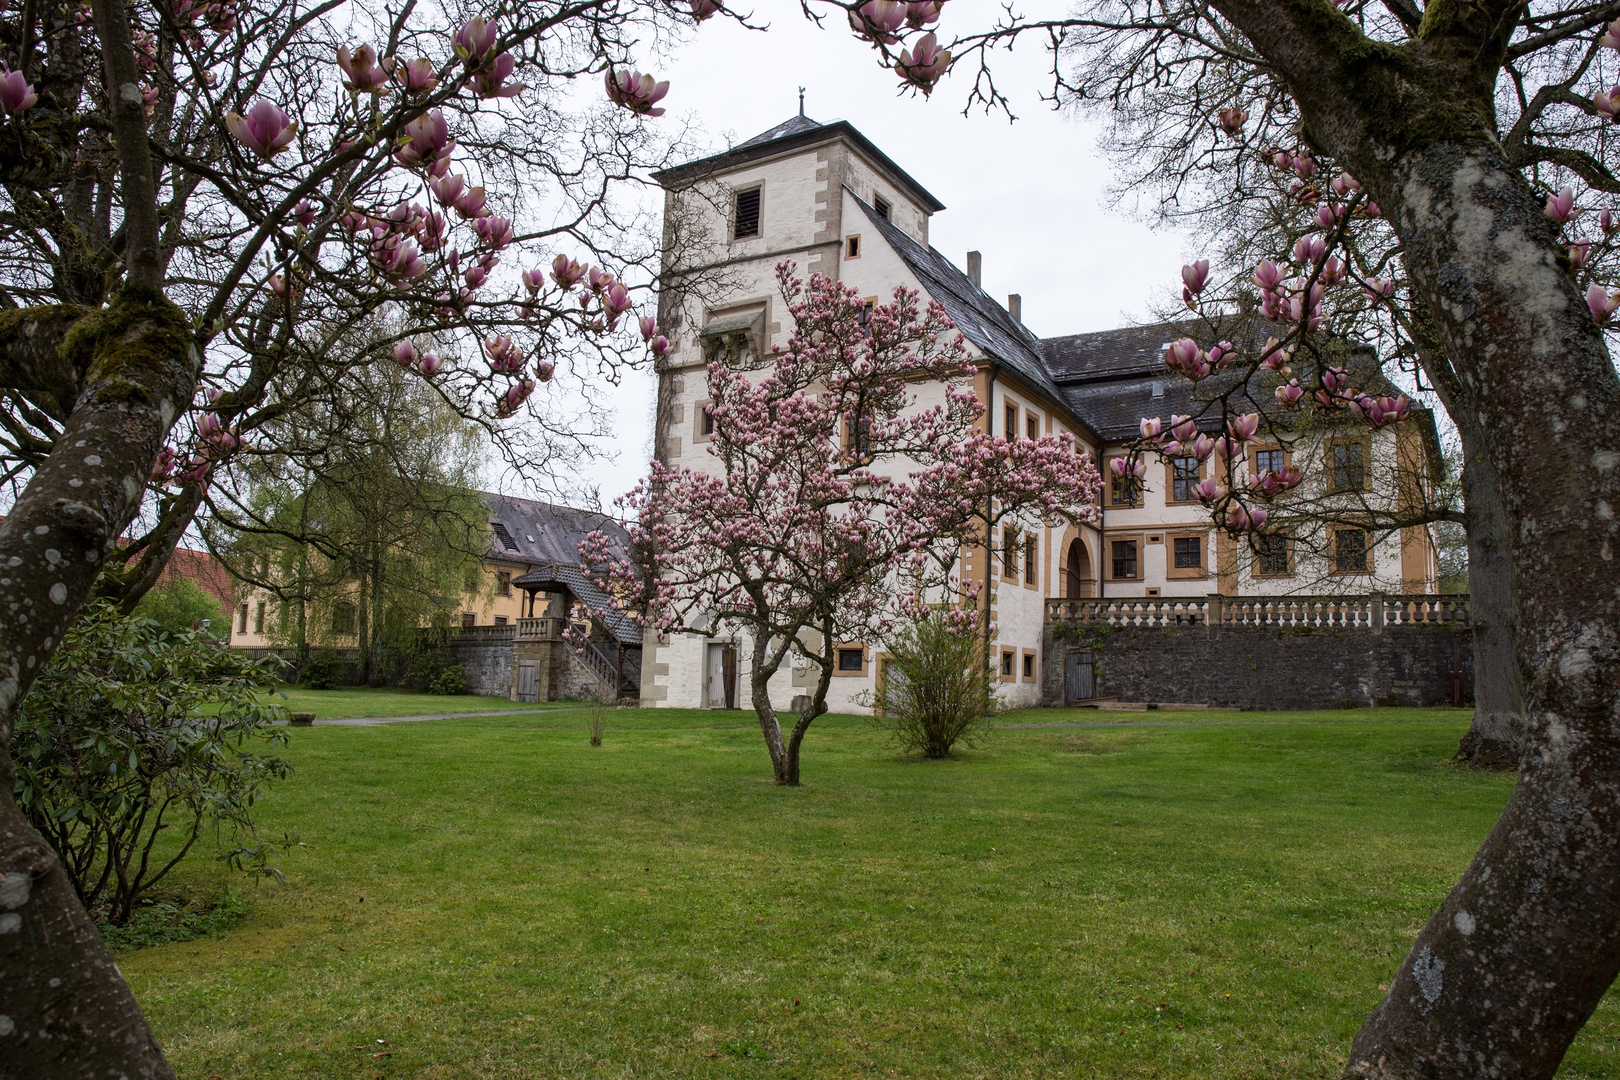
(728,672)
(1077,681)
(528,681)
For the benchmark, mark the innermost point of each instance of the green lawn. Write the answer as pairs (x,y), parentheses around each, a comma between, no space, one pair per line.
(494,898)
(356,701)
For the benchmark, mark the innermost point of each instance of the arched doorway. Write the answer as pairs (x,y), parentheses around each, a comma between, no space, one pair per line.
(1077,571)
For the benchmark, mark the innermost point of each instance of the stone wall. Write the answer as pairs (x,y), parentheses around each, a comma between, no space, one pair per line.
(1264,667)
(485,653)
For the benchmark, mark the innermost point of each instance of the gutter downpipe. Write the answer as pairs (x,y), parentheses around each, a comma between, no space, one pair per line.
(989,515)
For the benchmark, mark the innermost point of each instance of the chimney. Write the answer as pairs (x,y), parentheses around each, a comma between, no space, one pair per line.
(1015,308)
(974,261)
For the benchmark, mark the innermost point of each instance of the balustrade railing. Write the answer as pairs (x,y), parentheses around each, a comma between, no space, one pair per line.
(539,628)
(1373,612)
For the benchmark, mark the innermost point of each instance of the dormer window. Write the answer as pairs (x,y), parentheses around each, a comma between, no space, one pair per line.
(881,205)
(503,536)
(745,214)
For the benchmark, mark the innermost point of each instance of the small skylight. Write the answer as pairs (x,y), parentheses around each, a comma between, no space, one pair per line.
(1158,389)
(529,538)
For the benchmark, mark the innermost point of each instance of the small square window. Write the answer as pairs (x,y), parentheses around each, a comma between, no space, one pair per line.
(1272,556)
(241,626)
(1189,553)
(1009,553)
(258,618)
(1029,665)
(1268,461)
(1031,559)
(851,659)
(469,619)
(745,218)
(1007,659)
(500,620)
(503,582)
(852,247)
(1012,422)
(1350,551)
(881,205)
(1032,427)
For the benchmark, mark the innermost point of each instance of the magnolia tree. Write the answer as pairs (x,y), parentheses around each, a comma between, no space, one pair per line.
(1463,124)
(202,201)
(835,493)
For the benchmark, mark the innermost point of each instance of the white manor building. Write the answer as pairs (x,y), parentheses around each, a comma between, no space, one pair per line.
(825,197)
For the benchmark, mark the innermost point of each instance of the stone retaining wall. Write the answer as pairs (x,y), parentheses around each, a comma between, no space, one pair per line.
(1263,667)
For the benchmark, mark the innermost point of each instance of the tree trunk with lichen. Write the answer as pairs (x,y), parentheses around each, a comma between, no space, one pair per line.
(64,1009)
(1519,954)
(1496,735)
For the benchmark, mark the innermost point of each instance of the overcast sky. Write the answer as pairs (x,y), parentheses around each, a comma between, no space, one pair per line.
(1031,195)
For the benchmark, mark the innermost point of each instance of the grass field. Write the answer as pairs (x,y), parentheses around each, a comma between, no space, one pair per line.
(355,701)
(493,898)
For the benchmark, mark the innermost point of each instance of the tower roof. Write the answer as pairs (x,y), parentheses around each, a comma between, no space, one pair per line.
(796,133)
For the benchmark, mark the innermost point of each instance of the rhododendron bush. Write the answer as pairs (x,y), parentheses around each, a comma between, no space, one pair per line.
(1436,182)
(835,492)
(217,211)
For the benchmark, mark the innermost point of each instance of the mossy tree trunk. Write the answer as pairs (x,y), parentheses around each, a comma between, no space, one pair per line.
(68,1011)
(1522,950)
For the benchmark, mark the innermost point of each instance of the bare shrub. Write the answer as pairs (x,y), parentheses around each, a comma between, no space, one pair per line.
(937,685)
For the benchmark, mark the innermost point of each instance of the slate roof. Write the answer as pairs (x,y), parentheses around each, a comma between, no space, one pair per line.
(547,537)
(981,319)
(795,133)
(1114,378)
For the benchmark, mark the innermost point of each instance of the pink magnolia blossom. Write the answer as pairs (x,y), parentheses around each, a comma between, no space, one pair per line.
(417,76)
(490,80)
(544,370)
(879,20)
(1227,448)
(1611,35)
(615,302)
(1561,207)
(475,277)
(1304,165)
(427,140)
(921,13)
(1242,519)
(1232,120)
(447,189)
(470,206)
(1208,489)
(648,327)
(1601,303)
(1379,288)
(1607,102)
(516,394)
(924,63)
(1606,221)
(494,232)
(429,365)
(1268,275)
(1290,393)
(304,213)
(1183,428)
(1309,249)
(1271,483)
(702,9)
(1150,427)
(635,91)
(659,346)
(405,354)
(1202,447)
(566,272)
(1193,279)
(1243,428)
(534,280)
(266,130)
(1578,254)
(163,467)
(1369,209)
(149,100)
(598,279)
(474,40)
(1344,184)
(366,74)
